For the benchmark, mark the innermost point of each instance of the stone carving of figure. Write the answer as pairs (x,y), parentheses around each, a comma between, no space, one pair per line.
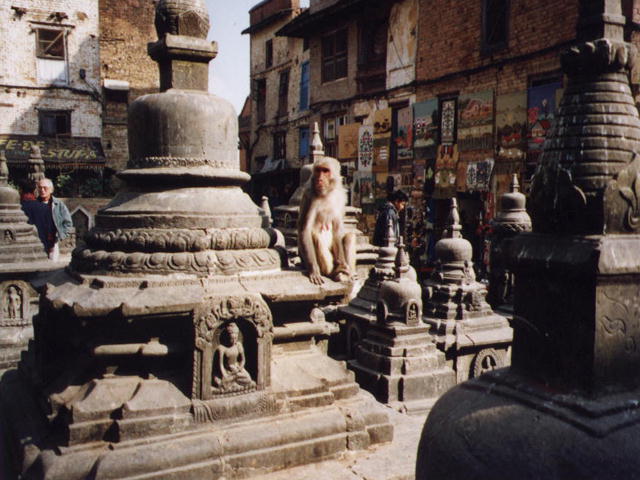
(14,302)
(229,373)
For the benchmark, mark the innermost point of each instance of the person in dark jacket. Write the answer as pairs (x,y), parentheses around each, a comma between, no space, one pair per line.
(389,212)
(37,212)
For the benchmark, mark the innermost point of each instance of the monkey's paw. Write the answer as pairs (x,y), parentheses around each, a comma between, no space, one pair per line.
(316,278)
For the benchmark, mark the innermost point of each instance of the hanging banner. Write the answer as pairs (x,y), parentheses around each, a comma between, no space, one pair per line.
(445,175)
(541,106)
(425,129)
(448,121)
(403,136)
(348,141)
(365,148)
(511,126)
(365,186)
(475,122)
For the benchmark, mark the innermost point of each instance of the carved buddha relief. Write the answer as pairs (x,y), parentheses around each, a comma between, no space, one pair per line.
(12,303)
(229,373)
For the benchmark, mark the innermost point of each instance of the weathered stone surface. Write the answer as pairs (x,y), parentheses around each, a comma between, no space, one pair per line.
(177,344)
(567,408)
(473,337)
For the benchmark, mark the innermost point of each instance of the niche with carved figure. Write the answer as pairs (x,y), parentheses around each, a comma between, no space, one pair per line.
(232,347)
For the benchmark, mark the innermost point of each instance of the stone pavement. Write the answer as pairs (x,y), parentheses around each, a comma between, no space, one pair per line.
(390,461)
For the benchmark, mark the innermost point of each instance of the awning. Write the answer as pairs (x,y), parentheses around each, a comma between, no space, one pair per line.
(62,153)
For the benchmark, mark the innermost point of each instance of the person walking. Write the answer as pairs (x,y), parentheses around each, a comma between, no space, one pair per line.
(389,212)
(56,225)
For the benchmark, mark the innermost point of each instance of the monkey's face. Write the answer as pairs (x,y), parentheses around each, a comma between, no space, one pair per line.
(322,179)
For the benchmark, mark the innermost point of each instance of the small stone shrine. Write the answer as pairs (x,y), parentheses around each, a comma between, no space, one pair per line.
(511,220)
(286,218)
(568,406)
(176,345)
(396,359)
(22,257)
(473,338)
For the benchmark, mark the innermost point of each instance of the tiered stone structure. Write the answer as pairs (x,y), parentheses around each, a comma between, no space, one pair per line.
(286,218)
(511,220)
(176,345)
(397,359)
(22,258)
(574,378)
(473,338)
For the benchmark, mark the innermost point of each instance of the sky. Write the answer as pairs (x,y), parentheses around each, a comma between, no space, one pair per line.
(229,71)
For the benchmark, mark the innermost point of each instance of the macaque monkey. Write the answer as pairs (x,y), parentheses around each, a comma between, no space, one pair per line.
(325,248)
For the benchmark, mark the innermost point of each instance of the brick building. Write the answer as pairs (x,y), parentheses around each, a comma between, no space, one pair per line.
(50,86)
(279,125)
(439,98)
(126,70)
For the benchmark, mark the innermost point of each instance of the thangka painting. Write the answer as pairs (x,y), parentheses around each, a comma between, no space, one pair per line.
(382,123)
(448,121)
(381,155)
(367,187)
(425,129)
(348,141)
(406,172)
(403,136)
(541,106)
(365,148)
(511,126)
(479,175)
(475,121)
(445,175)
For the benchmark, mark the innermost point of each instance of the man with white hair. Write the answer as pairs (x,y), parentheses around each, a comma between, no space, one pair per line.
(57,222)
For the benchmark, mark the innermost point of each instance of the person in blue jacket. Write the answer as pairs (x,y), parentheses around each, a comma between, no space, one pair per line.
(390,211)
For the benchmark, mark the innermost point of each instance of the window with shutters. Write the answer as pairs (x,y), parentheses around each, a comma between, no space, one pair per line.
(334,55)
(54,123)
(495,25)
(283,93)
(51,56)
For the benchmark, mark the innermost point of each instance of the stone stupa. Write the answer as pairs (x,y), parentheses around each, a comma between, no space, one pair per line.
(568,406)
(473,337)
(22,259)
(176,345)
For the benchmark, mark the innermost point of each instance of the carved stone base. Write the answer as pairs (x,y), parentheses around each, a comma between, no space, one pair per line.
(149,429)
(402,367)
(551,435)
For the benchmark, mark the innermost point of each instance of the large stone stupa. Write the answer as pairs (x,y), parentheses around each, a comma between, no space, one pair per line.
(176,345)
(568,406)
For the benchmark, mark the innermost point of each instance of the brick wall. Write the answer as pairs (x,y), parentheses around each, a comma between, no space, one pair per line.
(126,26)
(22,92)
(449,48)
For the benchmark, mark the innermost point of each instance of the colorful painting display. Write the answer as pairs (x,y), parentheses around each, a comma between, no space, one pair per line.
(475,122)
(382,123)
(511,126)
(541,106)
(403,136)
(479,175)
(365,148)
(348,141)
(425,129)
(381,140)
(445,174)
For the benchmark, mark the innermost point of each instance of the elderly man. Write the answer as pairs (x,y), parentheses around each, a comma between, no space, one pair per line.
(56,224)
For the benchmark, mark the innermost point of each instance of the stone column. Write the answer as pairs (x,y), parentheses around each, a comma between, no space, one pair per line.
(567,408)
